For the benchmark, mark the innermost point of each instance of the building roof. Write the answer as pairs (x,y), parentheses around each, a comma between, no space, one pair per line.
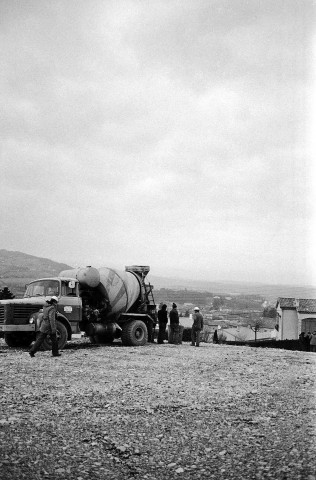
(286,302)
(307,305)
(302,305)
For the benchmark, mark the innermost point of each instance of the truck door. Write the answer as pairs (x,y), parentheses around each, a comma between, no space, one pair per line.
(70,304)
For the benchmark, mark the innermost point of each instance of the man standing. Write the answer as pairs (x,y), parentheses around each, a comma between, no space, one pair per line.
(197,327)
(174,324)
(48,327)
(162,321)
(312,344)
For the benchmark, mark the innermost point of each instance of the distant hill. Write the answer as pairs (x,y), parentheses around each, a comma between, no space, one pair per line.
(21,265)
(18,269)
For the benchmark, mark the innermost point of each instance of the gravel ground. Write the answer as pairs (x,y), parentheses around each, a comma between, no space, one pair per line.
(157,412)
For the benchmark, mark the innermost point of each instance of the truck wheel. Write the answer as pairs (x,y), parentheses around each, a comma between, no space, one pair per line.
(18,339)
(134,333)
(62,337)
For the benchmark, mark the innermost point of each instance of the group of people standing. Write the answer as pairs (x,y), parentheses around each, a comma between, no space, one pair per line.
(197,325)
(308,341)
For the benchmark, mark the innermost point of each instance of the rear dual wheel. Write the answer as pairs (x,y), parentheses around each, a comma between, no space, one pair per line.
(134,333)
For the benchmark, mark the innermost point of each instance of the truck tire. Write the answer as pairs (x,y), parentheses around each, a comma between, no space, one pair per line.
(18,339)
(134,333)
(62,337)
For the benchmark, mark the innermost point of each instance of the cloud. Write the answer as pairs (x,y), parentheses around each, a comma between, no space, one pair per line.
(173,134)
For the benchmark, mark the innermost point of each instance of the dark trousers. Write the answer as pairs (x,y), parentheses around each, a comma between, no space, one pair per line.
(195,336)
(175,328)
(40,339)
(162,332)
(151,332)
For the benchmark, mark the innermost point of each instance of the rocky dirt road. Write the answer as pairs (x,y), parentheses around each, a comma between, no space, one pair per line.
(158,412)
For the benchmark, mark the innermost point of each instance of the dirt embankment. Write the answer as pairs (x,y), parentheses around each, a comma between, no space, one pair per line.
(158,412)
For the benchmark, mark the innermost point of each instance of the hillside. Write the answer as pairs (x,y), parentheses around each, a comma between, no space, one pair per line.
(21,265)
(17,269)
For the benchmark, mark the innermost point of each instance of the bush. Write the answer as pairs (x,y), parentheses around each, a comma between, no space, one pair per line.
(284,344)
(221,337)
(5,294)
(206,336)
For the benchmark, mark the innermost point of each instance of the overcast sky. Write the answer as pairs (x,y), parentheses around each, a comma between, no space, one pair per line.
(169,133)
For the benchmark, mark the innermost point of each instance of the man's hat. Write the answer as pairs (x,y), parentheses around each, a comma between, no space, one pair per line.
(54,299)
(196,309)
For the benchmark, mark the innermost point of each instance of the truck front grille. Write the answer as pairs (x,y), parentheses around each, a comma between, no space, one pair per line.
(22,312)
(17,314)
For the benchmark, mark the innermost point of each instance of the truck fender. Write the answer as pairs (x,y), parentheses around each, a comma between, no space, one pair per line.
(62,319)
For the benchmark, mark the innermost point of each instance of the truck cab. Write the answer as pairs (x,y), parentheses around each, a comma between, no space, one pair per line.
(67,292)
(20,318)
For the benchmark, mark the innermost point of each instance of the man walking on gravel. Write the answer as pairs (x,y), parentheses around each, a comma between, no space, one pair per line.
(48,327)
(197,327)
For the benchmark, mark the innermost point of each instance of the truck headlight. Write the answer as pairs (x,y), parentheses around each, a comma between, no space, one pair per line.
(31,320)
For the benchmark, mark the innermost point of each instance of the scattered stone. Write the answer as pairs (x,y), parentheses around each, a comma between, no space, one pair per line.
(121,449)
(179,470)
(94,414)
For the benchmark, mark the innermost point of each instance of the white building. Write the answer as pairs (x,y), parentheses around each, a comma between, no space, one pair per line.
(246,334)
(295,316)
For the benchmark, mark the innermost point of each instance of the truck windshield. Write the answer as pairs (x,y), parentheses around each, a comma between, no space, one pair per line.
(42,288)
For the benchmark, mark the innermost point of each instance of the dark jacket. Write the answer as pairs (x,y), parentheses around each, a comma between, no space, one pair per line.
(197,321)
(162,316)
(48,324)
(174,317)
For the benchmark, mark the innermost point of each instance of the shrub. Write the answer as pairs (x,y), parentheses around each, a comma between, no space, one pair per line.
(284,344)
(206,336)
(5,294)
(221,337)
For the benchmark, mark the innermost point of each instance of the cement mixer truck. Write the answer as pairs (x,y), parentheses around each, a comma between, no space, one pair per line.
(104,303)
